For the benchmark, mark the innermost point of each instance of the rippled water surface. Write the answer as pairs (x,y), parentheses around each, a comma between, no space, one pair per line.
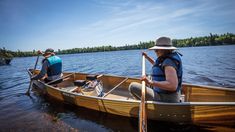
(202,65)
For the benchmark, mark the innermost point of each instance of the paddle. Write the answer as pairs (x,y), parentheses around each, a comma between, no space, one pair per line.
(142,110)
(28,92)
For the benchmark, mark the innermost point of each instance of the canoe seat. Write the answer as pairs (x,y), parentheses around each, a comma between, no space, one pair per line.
(79,83)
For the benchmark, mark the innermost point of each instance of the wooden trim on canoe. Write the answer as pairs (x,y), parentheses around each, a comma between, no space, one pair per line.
(208,87)
(148,102)
(152,102)
(192,103)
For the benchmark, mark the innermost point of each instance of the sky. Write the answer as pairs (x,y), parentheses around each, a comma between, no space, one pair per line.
(28,25)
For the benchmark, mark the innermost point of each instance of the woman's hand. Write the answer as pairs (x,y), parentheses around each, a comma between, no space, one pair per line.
(146,79)
(148,58)
(144,54)
(40,52)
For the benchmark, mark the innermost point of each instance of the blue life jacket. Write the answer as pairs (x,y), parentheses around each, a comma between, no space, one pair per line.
(55,66)
(158,72)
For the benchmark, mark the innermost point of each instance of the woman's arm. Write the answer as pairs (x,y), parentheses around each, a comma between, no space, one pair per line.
(42,72)
(171,82)
(151,60)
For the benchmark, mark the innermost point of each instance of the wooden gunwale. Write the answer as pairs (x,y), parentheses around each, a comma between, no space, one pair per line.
(148,102)
(207,87)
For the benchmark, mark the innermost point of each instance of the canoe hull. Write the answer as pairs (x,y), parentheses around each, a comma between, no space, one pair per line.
(186,112)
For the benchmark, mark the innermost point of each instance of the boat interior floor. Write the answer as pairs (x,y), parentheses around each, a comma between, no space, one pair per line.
(116,94)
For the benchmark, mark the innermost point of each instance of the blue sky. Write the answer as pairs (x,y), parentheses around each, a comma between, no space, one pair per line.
(65,24)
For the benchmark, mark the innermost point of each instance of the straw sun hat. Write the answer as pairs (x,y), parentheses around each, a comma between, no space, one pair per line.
(163,43)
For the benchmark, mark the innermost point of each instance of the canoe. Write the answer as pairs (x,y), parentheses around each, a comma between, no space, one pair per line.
(5,61)
(200,104)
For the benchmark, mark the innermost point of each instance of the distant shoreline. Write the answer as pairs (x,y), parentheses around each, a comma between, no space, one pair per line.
(133,49)
(211,40)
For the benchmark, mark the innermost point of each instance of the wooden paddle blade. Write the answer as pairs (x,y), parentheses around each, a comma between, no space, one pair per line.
(30,85)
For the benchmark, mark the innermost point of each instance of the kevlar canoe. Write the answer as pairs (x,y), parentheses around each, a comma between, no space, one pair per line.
(200,104)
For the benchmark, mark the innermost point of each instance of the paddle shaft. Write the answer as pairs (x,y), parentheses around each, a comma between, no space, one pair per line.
(36,63)
(142,111)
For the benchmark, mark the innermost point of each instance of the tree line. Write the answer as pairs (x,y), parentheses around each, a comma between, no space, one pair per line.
(210,40)
(6,54)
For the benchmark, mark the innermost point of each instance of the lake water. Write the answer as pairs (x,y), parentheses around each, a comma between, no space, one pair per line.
(202,65)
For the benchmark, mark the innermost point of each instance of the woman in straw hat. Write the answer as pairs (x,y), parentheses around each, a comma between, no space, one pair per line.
(165,85)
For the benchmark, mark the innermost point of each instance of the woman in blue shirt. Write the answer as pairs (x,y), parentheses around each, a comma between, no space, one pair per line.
(165,85)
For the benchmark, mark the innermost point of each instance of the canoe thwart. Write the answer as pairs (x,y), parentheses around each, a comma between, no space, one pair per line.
(115,87)
(59,80)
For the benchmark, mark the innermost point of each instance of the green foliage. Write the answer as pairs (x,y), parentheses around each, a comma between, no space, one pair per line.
(141,45)
(211,40)
(7,54)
